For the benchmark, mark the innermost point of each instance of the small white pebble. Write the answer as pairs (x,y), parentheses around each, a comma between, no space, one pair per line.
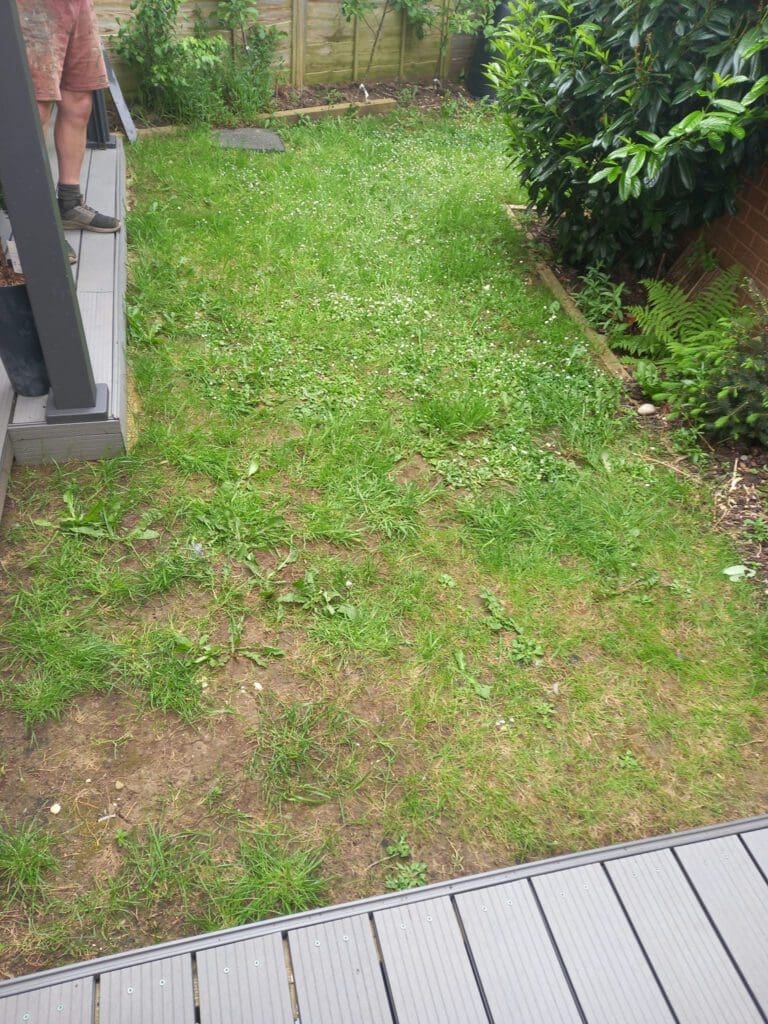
(646,409)
(87,781)
(119,785)
(258,686)
(55,808)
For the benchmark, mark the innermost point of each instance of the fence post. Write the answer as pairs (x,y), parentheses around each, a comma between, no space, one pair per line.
(355,45)
(298,42)
(401,55)
(446,41)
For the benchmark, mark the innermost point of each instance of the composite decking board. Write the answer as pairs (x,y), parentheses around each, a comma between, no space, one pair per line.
(71,448)
(384,902)
(686,952)
(609,972)
(518,965)
(159,992)
(735,896)
(6,462)
(96,266)
(337,973)
(429,971)
(757,844)
(97,311)
(244,981)
(119,389)
(70,1003)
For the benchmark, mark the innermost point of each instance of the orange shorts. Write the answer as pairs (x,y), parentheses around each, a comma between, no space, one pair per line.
(63,46)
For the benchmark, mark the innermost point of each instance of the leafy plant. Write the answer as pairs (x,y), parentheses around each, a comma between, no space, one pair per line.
(711,358)
(467,678)
(670,315)
(399,848)
(407,876)
(758,529)
(526,650)
(600,299)
(628,761)
(100,521)
(307,593)
(199,78)
(630,122)
(499,618)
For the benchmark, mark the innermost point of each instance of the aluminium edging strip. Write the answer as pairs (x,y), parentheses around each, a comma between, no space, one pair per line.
(194,944)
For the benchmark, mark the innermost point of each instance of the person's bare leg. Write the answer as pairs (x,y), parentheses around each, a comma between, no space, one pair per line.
(69,135)
(70,132)
(44,110)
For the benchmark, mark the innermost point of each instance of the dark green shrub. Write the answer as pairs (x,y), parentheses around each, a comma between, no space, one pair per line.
(631,120)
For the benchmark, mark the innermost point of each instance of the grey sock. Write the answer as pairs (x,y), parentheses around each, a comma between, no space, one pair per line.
(69,196)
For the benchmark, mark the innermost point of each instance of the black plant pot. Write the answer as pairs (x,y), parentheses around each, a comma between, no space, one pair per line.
(19,343)
(478,86)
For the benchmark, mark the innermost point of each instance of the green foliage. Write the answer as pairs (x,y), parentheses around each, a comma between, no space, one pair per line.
(25,859)
(711,358)
(600,299)
(407,876)
(271,877)
(418,15)
(198,78)
(671,316)
(632,121)
(306,752)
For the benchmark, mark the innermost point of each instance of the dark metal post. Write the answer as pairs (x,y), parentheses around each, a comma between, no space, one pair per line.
(29,195)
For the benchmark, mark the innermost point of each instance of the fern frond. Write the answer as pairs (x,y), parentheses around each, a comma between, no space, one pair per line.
(671,316)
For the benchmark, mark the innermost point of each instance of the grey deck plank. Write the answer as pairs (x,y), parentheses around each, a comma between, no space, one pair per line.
(757,844)
(244,983)
(518,966)
(690,961)
(97,311)
(6,404)
(607,967)
(735,895)
(119,386)
(64,442)
(70,1003)
(429,971)
(96,266)
(29,410)
(6,462)
(159,992)
(337,973)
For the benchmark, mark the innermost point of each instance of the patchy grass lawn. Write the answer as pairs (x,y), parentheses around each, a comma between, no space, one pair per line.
(390,587)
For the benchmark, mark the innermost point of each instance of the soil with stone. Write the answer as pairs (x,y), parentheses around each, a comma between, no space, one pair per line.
(425,95)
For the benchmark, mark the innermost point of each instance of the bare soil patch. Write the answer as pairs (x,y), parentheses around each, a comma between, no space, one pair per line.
(425,96)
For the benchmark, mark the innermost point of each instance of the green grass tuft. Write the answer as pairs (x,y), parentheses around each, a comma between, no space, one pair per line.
(25,861)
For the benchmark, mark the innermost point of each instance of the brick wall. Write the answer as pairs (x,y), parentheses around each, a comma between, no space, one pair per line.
(743,238)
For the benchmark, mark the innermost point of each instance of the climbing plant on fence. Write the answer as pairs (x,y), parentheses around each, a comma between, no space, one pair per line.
(632,120)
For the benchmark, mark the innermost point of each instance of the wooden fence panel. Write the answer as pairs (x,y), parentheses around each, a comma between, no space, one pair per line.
(319,45)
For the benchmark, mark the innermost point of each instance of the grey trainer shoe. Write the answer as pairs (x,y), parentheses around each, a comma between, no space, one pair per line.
(85,218)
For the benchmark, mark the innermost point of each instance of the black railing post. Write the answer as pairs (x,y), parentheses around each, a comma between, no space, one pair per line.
(26,177)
